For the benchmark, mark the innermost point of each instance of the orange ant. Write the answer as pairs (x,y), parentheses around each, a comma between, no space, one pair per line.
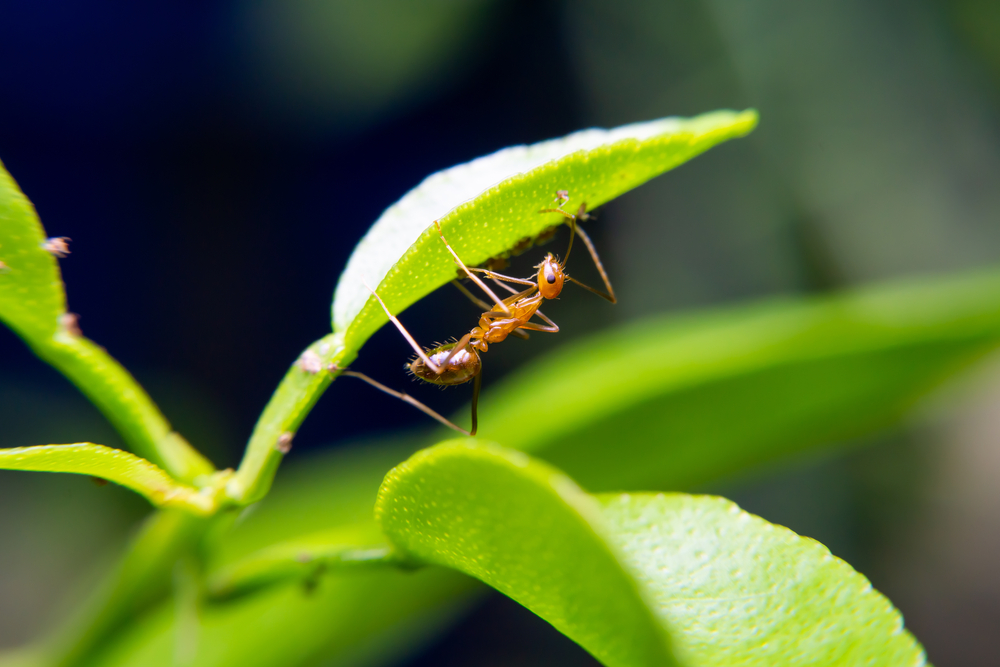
(459,362)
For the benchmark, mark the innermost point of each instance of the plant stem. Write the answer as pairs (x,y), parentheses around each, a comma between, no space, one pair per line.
(298,392)
(143,578)
(124,402)
(291,561)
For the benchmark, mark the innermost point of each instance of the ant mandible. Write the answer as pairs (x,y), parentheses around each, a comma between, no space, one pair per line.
(459,362)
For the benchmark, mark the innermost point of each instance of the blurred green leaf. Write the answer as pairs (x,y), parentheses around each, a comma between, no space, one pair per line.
(676,401)
(304,560)
(33,304)
(486,206)
(113,465)
(620,574)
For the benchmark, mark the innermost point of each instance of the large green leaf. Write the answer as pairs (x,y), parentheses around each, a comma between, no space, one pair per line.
(738,591)
(33,304)
(530,532)
(486,206)
(677,401)
(621,574)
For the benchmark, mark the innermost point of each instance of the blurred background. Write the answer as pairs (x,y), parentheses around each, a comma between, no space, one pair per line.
(215,163)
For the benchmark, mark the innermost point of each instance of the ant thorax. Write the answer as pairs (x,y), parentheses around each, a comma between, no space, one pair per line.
(462,367)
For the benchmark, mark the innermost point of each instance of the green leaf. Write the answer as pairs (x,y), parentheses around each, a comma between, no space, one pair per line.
(486,206)
(33,304)
(673,402)
(530,532)
(619,574)
(739,591)
(31,291)
(112,465)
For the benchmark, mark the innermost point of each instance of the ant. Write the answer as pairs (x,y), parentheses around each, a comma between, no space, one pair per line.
(459,362)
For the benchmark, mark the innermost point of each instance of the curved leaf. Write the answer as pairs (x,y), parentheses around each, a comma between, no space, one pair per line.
(676,401)
(113,465)
(530,532)
(486,206)
(31,289)
(728,587)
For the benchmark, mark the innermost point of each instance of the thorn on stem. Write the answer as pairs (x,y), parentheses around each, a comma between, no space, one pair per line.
(57,245)
(71,323)
(310,362)
(284,444)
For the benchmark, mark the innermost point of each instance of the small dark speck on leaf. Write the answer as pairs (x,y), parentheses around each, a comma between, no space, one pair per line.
(99,481)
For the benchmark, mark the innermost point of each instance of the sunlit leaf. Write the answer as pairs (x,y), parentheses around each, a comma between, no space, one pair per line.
(671,402)
(736,590)
(530,532)
(619,574)
(112,465)
(486,206)
(31,290)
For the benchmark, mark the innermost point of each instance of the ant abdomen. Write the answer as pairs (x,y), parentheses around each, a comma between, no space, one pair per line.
(462,367)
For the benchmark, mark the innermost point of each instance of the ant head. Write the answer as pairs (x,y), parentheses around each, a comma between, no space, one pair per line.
(550,277)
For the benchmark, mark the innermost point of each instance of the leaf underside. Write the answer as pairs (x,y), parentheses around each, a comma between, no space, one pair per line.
(486,206)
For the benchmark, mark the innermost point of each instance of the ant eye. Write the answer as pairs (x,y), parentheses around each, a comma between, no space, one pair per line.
(550,277)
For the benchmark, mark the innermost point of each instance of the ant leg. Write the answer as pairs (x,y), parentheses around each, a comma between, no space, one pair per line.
(482,304)
(505,286)
(472,297)
(406,398)
(610,296)
(469,273)
(476,385)
(406,334)
(493,275)
(533,326)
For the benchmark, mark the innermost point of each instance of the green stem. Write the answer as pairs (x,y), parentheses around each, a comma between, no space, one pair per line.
(124,402)
(143,578)
(293,561)
(298,392)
